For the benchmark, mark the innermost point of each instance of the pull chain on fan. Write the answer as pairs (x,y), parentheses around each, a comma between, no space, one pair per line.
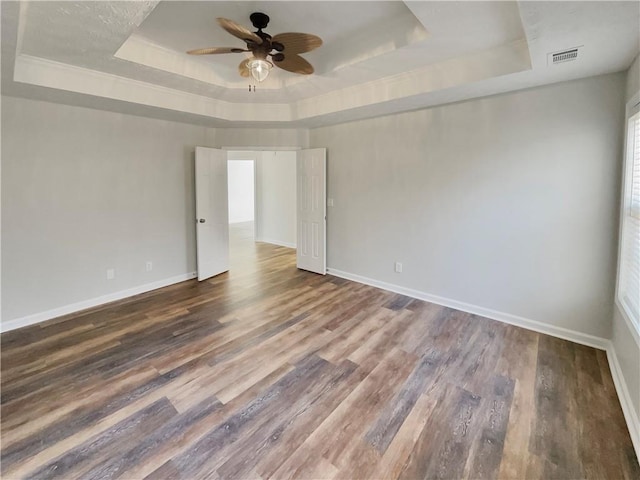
(283,48)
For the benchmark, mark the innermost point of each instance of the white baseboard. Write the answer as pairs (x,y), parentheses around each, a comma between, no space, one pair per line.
(93,302)
(560,332)
(276,242)
(628,409)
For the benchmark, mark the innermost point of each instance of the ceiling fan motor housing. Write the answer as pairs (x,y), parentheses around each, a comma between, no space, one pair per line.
(259,20)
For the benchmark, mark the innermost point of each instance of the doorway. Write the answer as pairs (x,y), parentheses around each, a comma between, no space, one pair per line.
(241,191)
(289,191)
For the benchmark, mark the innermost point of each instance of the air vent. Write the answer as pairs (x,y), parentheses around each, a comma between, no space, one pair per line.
(563,56)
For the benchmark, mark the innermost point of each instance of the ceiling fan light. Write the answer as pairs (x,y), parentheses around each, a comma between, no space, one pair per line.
(259,68)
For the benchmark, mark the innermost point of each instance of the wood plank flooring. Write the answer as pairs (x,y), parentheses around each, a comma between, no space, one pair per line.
(271,372)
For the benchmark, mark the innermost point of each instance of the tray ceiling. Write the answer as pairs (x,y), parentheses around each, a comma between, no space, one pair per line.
(378,57)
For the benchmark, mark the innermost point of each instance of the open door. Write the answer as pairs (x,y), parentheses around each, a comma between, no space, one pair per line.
(311,218)
(212,212)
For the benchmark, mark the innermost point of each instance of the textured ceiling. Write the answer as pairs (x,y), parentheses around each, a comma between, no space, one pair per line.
(378,57)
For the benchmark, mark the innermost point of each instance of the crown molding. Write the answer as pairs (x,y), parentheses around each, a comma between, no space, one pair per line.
(389,92)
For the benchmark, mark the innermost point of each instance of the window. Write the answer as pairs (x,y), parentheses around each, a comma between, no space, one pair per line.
(629,270)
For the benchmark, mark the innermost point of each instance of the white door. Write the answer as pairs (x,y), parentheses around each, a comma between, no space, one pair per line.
(212,212)
(311,200)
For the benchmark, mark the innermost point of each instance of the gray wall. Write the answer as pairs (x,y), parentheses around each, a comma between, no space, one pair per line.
(262,137)
(276,197)
(506,203)
(85,190)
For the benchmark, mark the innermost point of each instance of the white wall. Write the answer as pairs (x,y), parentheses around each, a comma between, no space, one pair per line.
(241,195)
(85,190)
(507,203)
(276,197)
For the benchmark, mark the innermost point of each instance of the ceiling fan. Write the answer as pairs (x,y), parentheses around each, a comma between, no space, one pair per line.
(287,47)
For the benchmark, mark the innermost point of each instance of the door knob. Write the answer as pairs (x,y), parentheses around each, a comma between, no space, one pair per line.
(202,220)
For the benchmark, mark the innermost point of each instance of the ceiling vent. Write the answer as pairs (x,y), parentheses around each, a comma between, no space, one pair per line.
(564,56)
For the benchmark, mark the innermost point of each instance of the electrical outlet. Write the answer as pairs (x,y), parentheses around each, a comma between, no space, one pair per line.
(398,267)
(111,274)
(149,266)
(330,202)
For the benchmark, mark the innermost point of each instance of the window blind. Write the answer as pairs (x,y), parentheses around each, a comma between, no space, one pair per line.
(629,280)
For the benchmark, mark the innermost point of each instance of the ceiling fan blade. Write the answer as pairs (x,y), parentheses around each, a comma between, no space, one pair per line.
(215,50)
(244,69)
(297,42)
(294,63)
(239,31)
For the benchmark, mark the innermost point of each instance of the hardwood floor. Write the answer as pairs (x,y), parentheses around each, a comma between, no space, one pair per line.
(272,372)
